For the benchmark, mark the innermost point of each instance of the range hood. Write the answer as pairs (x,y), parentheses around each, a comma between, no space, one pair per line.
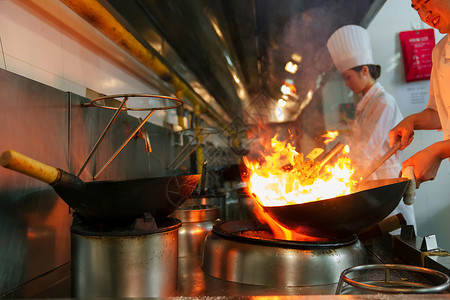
(232,54)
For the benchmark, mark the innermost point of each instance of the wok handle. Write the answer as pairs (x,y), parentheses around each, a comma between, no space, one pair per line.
(386,225)
(21,163)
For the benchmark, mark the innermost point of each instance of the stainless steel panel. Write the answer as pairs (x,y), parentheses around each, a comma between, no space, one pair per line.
(34,222)
(51,126)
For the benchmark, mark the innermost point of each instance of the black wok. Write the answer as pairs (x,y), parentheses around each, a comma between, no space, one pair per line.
(108,201)
(344,215)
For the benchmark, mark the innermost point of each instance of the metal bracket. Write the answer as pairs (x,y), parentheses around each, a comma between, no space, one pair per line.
(408,233)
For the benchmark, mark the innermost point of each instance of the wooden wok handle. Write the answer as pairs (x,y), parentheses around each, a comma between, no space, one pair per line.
(387,225)
(21,163)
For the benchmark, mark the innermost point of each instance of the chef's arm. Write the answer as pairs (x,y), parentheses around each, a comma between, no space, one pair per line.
(426,162)
(428,119)
(441,149)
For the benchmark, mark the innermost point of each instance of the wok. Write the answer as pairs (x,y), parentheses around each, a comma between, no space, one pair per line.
(342,216)
(108,201)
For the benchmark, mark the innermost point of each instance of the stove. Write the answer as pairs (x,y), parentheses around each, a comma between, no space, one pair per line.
(245,251)
(194,281)
(138,259)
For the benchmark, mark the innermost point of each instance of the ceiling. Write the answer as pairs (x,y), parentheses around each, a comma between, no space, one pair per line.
(233,53)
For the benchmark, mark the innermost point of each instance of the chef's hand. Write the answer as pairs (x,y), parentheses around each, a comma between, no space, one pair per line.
(403,132)
(426,164)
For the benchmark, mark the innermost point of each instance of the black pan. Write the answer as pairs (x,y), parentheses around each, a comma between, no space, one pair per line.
(345,215)
(108,201)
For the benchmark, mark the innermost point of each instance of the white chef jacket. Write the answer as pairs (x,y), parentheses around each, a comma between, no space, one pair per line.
(440,84)
(376,114)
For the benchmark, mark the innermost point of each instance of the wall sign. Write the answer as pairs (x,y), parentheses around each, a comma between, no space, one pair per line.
(413,97)
(417,46)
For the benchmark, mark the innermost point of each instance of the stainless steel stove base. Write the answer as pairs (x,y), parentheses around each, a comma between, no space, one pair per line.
(276,266)
(194,282)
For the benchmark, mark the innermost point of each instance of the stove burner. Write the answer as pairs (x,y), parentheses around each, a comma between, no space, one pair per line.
(135,261)
(245,252)
(251,231)
(139,226)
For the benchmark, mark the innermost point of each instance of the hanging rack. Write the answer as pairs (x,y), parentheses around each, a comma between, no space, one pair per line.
(156,102)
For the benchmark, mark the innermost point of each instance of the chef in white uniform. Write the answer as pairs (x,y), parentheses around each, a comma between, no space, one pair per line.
(377,111)
(436,116)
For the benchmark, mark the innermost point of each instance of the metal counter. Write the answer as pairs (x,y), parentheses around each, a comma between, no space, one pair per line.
(193,282)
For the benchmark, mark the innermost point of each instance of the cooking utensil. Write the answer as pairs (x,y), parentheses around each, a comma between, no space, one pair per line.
(344,215)
(332,153)
(108,201)
(381,161)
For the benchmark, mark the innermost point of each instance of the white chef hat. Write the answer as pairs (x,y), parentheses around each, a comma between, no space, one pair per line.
(349,47)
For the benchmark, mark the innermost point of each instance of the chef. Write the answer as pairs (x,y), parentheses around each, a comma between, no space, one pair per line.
(377,111)
(436,116)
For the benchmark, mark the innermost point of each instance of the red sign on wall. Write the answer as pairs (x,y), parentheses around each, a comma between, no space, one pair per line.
(417,46)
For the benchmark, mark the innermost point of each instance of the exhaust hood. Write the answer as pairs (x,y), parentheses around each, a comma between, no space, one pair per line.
(256,60)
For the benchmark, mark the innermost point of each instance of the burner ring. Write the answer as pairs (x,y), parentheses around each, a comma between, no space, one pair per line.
(391,285)
(231,230)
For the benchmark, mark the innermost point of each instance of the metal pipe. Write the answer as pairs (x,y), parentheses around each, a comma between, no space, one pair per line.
(94,13)
(192,151)
(184,149)
(199,151)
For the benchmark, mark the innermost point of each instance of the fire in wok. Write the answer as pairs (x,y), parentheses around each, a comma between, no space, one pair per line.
(309,198)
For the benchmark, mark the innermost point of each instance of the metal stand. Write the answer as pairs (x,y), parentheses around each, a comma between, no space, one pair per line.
(195,133)
(392,286)
(155,102)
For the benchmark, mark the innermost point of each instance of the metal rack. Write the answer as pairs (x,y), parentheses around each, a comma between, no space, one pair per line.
(195,133)
(155,102)
(389,284)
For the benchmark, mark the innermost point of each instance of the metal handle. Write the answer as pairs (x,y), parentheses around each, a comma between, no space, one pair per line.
(381,161)
(332,153)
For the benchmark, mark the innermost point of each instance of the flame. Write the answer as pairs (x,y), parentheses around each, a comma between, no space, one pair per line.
(330,136)
(346,149)
(284,177)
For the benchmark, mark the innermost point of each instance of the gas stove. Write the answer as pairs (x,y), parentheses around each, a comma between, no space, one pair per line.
(124,261)
(198,278)
(246,252)
(241,258)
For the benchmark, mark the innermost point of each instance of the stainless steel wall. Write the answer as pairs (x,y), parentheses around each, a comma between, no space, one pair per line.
(51,126)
